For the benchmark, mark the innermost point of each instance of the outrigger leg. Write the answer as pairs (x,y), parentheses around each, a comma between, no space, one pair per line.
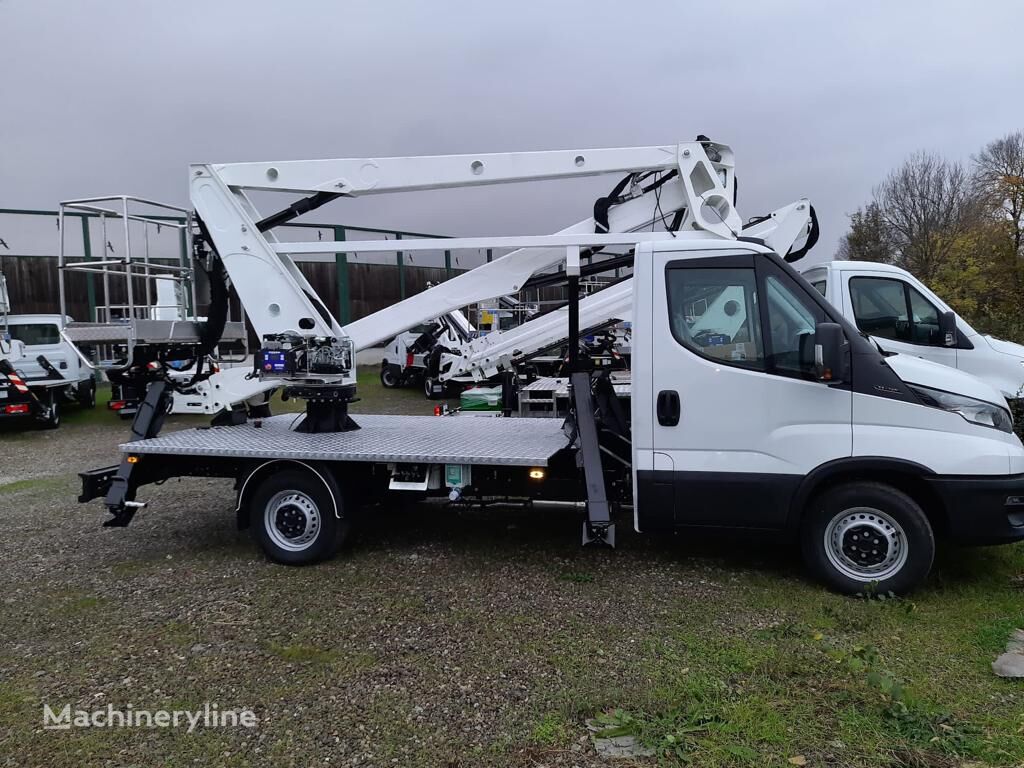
(120,499)
(598,528)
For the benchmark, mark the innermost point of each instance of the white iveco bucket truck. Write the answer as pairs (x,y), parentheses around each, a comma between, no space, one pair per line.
(787,419)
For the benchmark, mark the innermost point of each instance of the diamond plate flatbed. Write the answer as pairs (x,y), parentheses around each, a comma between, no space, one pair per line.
(383,438)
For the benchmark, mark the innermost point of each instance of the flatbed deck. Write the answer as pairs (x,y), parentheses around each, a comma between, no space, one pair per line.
(380,438)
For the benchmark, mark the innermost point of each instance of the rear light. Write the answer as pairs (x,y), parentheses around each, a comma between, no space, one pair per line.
(409,360)
(15,409)
(116,405)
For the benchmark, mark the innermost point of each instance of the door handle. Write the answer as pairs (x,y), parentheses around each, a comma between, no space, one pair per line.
(668,407)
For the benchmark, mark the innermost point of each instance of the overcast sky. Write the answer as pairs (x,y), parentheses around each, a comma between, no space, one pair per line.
(817,99)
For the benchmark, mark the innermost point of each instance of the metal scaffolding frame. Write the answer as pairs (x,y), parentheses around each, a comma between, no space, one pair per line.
(340,233)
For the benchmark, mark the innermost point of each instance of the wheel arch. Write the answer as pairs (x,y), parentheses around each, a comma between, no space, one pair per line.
(907,476)
(267,468)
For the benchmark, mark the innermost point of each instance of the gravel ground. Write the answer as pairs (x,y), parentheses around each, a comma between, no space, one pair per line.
(433,640)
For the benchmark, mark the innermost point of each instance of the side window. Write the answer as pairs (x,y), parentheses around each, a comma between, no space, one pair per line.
(791,319)
(880,307)
(924,317)
(32,334)
(819,286)
(714,312)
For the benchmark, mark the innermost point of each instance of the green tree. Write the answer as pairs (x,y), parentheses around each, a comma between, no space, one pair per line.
(868,238)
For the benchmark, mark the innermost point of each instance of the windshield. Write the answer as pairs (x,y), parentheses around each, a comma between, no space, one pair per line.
(31,334)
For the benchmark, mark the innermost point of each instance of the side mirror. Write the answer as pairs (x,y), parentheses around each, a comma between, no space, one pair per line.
(830,353)
(947,328)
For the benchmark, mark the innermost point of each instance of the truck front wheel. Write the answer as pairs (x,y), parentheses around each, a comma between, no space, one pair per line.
(867,538)
(292,513)
(50,418)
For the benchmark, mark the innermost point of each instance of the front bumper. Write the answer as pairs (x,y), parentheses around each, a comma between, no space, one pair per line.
(982,510)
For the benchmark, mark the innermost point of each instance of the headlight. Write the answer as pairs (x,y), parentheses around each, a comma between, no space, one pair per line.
(975,411)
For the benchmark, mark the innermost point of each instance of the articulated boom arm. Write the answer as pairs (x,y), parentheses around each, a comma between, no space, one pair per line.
(275,294)
(278,299)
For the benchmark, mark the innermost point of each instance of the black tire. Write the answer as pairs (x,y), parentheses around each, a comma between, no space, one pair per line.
(428,389)
(261,411)
(867,538)
(389,378)
(299,506)
(51,420)
(86,394)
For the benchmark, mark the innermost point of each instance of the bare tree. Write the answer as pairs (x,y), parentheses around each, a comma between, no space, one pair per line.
(999,178)
(926,204)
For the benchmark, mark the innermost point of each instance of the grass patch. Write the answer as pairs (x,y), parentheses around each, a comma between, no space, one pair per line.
(34,484)
(552,730)
(303,654)
(839,680)
(73,603)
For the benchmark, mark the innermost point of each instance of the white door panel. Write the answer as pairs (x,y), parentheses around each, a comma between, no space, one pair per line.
(733,420)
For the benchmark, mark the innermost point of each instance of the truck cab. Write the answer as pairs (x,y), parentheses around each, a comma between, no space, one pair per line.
(902,315)
(41,369)
(406,357)
(757,404)
(40,335)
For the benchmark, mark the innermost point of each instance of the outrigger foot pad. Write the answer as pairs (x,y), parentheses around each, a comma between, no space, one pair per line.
(122,513)
(598,535)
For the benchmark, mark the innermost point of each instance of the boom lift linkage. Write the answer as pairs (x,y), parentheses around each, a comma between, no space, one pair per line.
(689,188)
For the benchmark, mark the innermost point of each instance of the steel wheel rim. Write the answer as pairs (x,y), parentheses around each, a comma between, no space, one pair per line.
(292,520)
(866,544)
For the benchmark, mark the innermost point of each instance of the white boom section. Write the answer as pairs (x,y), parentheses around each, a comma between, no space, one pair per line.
(485,357)
(276,296)
(356,177)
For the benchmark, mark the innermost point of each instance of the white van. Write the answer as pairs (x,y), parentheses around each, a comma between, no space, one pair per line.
(900,313)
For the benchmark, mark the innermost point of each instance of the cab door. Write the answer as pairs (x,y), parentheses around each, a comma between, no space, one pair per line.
(737,412)
(898,316)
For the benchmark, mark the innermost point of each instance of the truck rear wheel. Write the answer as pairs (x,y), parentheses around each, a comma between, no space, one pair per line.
(867,537)
(86,394)
(292,515)
(389,376)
